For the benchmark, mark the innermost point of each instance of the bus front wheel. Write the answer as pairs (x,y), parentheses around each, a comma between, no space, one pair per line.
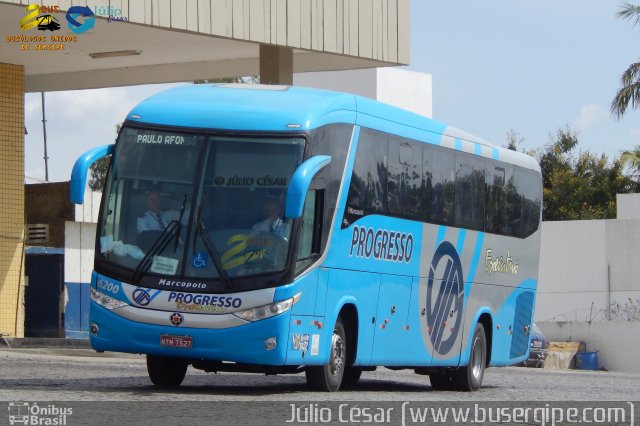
(166,371)
(328,377)
(469,378)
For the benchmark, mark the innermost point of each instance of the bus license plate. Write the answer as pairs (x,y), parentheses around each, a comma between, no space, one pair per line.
(185,342)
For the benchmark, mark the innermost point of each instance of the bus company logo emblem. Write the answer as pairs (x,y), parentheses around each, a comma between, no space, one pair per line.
(176,318)
(40,16)
(87,23)
(444,301)
(141,297)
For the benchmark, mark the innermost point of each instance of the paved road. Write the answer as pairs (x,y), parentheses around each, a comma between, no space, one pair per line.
(83,375)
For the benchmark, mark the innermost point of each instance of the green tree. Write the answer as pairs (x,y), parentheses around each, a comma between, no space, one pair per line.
(98,170)
(631,160)
(514,140)
(98,173)
(629,92)
(582,185)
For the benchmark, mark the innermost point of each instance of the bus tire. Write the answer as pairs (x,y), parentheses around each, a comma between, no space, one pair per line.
(351,377)
(441,381)
(469,378)
(166,371)
(328,377)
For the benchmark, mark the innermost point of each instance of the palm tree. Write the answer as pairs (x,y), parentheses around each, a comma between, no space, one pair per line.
(631,159)
(629,93)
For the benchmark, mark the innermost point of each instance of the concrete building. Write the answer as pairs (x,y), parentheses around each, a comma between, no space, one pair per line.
(117,42)
(399,87)
(589,284)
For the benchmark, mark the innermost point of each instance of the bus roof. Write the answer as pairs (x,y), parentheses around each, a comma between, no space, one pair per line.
(272,108)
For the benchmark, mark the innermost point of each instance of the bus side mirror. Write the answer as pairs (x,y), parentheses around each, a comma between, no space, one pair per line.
(81,168)
(299,185)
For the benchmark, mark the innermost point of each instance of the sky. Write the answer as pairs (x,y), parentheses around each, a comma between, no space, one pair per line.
(530,66)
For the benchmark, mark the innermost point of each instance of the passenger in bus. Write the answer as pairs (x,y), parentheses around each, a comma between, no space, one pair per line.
(273,222)
(154,218)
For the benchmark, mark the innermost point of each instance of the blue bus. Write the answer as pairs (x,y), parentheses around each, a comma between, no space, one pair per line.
(280,229)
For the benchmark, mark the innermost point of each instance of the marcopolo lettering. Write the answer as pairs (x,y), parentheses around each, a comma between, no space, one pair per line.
(183,284)
(381,244)
(205,299)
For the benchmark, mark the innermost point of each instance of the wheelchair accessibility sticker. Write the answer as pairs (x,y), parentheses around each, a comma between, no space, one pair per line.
(200,260)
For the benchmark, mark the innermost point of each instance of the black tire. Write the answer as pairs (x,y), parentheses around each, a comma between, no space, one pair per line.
(351,377)
(328,377)
(441,381)
(469,378)
(166,371)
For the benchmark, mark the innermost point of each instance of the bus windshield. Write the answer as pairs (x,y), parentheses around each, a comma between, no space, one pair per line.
(197,206)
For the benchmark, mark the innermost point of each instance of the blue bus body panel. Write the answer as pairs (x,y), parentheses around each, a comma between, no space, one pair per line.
(231,107)
(418,289)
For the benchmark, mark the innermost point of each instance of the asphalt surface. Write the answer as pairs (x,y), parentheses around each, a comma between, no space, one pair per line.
(64,374)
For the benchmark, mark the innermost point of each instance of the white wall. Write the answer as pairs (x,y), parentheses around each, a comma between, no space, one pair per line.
(89,209)
(587,267)
(589,287)
(628,206)
(78,252)
(399,87)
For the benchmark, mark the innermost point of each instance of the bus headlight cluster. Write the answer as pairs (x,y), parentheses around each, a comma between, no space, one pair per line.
(267,311)
(105,301)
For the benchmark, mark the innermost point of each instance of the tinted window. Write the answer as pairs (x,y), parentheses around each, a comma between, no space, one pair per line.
(405,178)
(455,188)
(438,176)
(330,140)
(499,199)
(526,205)
(368,188)
(469,192)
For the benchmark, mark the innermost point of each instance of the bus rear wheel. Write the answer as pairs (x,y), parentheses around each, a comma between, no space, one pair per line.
(166,371)
(442,380)
(328,377)
(469,378)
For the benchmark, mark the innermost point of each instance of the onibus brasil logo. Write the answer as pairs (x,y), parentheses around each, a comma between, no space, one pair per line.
(445,298)
(30,413)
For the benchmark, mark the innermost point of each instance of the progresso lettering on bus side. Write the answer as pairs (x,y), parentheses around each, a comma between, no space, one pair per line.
(381,244)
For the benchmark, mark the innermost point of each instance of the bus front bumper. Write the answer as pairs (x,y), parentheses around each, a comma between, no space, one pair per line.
(252,343)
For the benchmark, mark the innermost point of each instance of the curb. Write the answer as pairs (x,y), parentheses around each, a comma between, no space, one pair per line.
(44,342)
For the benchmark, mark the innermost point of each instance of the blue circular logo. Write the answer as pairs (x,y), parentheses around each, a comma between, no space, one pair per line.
(445,298)
(141,297)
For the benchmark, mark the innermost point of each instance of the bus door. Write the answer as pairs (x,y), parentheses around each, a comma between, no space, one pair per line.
(392,331)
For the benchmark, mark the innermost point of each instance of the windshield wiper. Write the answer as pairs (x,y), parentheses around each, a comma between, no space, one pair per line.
(211,249)
(158,246)
(184,202)
(163,240)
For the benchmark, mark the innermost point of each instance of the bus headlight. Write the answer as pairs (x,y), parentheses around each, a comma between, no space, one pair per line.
(105,301)
(267,311)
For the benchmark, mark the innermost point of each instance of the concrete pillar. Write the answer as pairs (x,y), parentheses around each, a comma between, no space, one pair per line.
(276,65)
(11,200)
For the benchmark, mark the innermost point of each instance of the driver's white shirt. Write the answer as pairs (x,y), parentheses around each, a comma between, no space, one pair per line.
(151,221)
(277,226)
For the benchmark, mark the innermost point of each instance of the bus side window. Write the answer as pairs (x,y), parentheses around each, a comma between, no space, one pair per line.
(404,178)
(311,229)
(438,184)
(469,192)
(368,190)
